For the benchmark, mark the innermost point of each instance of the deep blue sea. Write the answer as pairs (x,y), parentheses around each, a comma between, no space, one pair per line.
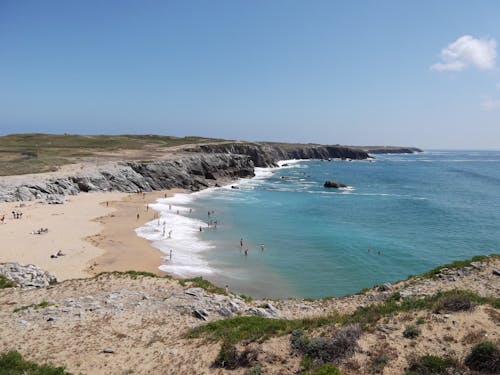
(400,215)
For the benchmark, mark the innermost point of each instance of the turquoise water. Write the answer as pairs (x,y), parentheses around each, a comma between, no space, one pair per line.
(418,211)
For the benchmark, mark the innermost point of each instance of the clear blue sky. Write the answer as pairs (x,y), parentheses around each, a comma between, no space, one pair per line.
(422,73)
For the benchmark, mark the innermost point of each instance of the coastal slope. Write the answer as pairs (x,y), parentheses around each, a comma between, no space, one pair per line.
(120,323)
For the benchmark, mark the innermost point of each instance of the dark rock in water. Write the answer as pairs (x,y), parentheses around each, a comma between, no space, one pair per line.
(334,184)
(234,187)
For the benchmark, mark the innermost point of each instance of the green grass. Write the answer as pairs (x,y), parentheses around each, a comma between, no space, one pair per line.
(5,283)
(326,369)
(429,365)
(251,328)
(12,363)
(200,282)
(134,274)
(34,306)
(37,153)
(459,264)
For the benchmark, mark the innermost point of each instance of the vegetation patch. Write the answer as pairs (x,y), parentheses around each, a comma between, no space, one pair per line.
(229,357)
(484,357)
(459,264)
(134,274)
(37,153)
(34,306)
(411,332)
(12,363)
(332,349)
(200,282)
(6,283)
(326,369)
(259,328)
(429,365)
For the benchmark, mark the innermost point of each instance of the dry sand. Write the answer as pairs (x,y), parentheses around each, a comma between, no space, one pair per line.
(95,231)
(124,250)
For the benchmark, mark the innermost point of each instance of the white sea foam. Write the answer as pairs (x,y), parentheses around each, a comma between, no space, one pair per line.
(184,241)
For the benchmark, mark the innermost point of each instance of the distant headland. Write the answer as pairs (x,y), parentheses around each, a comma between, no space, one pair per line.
(67,164)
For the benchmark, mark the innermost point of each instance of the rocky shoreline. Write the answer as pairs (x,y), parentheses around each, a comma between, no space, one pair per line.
(192,167)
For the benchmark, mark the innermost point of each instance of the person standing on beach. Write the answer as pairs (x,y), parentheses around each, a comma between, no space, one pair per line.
(170,254)
(138,216)
(262,247)
(241,243)
(170,234)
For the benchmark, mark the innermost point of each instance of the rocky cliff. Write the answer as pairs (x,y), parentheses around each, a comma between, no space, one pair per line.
(192,167)
(267,154)
(193,172)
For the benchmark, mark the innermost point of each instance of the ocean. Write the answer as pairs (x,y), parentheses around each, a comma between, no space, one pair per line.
(400,215)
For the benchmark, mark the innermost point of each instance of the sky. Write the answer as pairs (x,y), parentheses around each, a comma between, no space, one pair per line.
(414,73)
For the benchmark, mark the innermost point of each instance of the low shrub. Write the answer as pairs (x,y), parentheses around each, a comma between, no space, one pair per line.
(200,282)
(411,332)
(429,365)
(328,349)
(5,283)
(230,359)
(454,304)
(420,320)
(34,306)
(378,364)
(326,369)
(12,363)
(484,357)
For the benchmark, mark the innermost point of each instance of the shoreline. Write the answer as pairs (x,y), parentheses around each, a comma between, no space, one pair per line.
(94,231)
(123,249)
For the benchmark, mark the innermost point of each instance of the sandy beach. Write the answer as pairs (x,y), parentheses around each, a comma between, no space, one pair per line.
(95,231)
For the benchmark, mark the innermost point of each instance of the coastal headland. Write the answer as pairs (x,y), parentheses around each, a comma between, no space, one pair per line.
(102,319)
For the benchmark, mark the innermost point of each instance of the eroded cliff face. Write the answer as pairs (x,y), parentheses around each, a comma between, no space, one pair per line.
(267,154)
(193,172)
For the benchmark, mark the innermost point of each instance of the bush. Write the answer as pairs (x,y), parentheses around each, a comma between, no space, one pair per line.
(12,363)
(484,357)
(229,358)
(455,303)
(5,283)
(420,320)
(411,332)
(328,349)
(326,369)
(429,365)
(378,364)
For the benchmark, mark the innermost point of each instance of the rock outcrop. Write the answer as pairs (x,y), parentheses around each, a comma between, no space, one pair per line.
(268,154)
(192,172)
(27,276)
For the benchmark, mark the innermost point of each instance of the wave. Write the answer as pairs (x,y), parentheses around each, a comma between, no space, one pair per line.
(177,232)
